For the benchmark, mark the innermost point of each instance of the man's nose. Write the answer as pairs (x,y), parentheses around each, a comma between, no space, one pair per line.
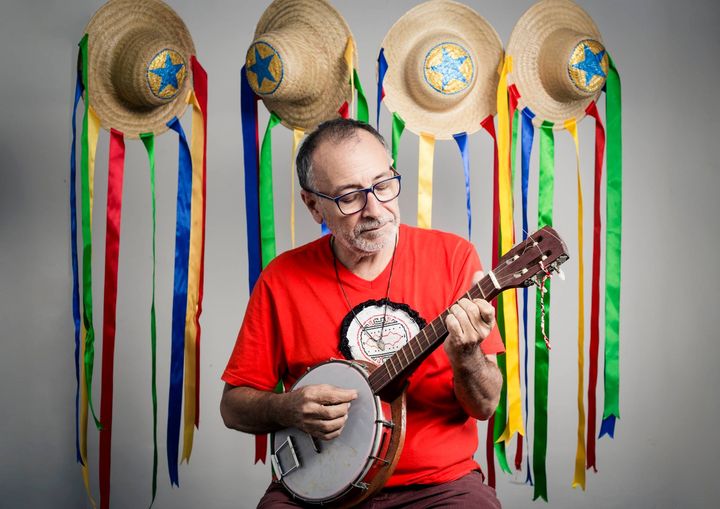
(373,207)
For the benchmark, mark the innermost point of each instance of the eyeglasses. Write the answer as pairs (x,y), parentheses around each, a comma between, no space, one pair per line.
(355,201)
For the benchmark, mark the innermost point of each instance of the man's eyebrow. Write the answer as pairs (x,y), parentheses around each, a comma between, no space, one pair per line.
(349,187)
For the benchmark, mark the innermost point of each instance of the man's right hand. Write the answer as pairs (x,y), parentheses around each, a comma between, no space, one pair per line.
(320,410)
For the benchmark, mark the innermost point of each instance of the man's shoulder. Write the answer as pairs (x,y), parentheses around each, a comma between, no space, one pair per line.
(298,259)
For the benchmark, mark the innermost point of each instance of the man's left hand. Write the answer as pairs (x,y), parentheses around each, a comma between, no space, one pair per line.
(468,324)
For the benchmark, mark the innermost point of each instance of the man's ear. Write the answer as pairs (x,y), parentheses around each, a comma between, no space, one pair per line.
(312,202)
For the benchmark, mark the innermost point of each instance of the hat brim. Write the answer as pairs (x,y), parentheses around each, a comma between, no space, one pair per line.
(527,38)
(108,26)
(328,29)
(450,21)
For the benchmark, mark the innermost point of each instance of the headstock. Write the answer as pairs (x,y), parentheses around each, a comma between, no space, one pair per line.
(541,253)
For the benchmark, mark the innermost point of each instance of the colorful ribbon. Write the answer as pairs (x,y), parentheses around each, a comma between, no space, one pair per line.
(497,423)
(515,422)
(248,107)
(265,191)
(382,69)
(195,263)
(398,126)
(546,188)
(425,179)
(595,298)
(91,127)
(526,143)
(148,140)
(180,295)
(579,475)
(297,136)
(613,108)
(74,260)
(116,169)
(461,140)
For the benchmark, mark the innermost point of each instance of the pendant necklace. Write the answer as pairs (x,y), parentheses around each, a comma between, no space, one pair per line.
(378,342)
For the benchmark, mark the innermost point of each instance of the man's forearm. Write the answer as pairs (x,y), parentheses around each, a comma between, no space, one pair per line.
(477,382)
(251,410)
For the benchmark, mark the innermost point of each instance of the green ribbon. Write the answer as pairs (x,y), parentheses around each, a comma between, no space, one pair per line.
(89,358)
(513,150)
(613,108)
(148,140)
(501,410)
(542,358)
(267,213)
(363,112)
(398,126)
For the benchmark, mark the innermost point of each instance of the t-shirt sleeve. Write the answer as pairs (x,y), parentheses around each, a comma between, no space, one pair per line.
(257,359)
(469,264)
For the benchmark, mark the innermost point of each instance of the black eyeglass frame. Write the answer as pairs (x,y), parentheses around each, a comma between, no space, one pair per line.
(366,190)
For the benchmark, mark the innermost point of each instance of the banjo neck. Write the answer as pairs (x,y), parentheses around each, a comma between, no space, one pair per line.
(521,266)
(390,378)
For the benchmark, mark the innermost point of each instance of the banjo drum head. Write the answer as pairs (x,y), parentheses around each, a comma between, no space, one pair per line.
(328,474)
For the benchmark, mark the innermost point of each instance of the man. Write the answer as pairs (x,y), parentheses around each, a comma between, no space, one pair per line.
(361,292)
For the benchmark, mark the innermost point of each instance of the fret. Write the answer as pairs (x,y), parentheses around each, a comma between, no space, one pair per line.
(388,363)
(407,362)
(482,292)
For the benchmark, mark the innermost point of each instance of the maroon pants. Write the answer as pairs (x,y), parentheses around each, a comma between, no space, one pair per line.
(468,491)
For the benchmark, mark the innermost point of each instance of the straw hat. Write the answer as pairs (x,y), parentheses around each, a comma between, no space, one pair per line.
(296,62)
(559,63)
(138,65)
(442,75)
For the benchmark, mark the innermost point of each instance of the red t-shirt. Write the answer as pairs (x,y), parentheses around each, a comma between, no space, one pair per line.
(297,317)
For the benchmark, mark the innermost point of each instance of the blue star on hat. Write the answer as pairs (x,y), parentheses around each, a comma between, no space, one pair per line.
(449,68)
(591,64)
(261,68)
(168,73)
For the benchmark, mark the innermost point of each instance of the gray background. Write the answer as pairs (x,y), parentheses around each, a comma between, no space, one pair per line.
(665,451)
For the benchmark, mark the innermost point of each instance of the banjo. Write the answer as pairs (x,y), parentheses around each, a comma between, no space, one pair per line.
(346,470)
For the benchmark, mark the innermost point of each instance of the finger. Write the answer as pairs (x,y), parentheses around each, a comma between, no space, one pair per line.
(331,395)
(332,411)
(463,319)
(472,310)
(487,312)
(453,325)
(319,427)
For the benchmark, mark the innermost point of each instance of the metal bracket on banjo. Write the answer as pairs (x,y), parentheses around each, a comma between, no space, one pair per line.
(276,461)
(361,485)
(387,424)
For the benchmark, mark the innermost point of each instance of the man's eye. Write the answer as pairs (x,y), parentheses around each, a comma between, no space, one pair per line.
(350,198)
(382,186)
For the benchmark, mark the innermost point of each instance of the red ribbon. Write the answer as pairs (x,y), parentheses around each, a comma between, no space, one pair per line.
(595,296)
(112,250)
(489,126)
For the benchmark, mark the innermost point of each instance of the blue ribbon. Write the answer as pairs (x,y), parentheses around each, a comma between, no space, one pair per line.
(382,69)
(180,285)
(461,140)
(526,150)
(607,427)
(248,112)
(73,243)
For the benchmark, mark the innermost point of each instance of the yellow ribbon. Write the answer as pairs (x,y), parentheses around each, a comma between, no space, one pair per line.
(93,130)
(509,302)
(425,176)
(297,136)
(194,267)
(579,477)
(350,62)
